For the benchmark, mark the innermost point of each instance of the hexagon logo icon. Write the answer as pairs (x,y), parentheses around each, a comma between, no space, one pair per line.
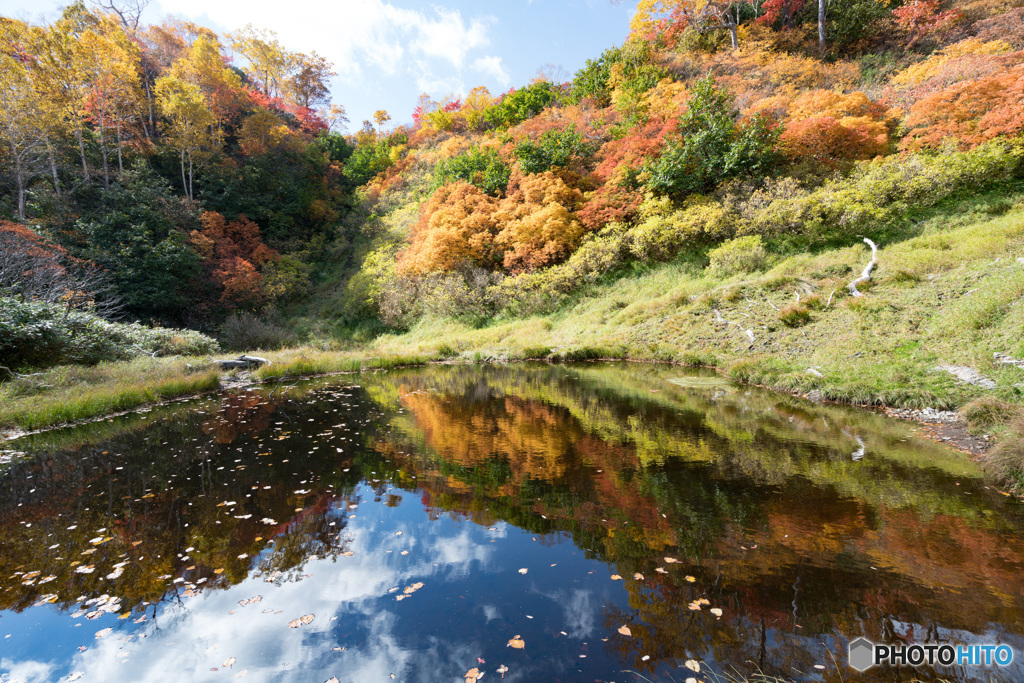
(861,652)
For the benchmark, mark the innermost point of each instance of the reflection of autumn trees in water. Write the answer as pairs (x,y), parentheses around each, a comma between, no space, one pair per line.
(756,495)
(126,517)
(781,527)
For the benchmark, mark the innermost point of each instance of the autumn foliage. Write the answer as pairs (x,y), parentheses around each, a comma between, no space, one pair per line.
(831,128)
(232,252)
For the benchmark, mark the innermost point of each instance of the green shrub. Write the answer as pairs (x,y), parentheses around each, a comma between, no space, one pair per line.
(519,105)
(555,148)
(483,168)
(244,331)
(875,197)
(741,255)
(711,146)
(39,335)
(663,232)
(591,82)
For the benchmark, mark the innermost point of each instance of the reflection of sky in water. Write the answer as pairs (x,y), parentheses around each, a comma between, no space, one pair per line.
(473,600)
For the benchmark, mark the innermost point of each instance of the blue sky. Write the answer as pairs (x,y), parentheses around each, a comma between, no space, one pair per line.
(387,52)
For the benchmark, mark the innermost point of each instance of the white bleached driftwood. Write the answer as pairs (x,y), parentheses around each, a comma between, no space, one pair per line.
(866,274)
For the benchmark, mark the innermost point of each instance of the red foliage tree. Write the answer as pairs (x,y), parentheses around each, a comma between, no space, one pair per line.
(231,254)
(922,18)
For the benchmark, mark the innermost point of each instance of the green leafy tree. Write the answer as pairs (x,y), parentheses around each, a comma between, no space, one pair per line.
(481,167)
(591,82)
(555,148)
(711,146)
(138,232)
(519,105)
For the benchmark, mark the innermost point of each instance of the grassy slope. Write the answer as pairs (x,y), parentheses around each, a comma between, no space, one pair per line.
(950,295)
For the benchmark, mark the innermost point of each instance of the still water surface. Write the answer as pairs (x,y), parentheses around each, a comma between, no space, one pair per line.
(614,521)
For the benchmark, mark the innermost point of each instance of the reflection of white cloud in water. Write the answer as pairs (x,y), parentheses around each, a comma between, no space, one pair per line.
(579,613)
(25,672)
(186,641)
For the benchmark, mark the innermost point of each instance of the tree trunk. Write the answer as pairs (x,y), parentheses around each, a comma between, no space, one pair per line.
(821,27)
(184,185)
(120,162)
(53,165)
(190,176)
(103,151)
(149,100)
(81,150)
(19,174)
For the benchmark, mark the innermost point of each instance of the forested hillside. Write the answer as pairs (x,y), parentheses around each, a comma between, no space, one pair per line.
(171,175)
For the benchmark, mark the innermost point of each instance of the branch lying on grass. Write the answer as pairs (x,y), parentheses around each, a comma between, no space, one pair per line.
(242,362)
(719,318)
(17,375)
(866,275)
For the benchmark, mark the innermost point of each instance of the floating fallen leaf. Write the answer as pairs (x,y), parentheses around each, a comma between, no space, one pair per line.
(229,662)
(480,660)
(819,666)
(104,632)
(75,676)
(645,658)
(703,601)
(624,630)
(693,665)
(218,571)
(523,570)
(301,621)
(638,576)
(332,679)
(671,560)
(691,579)
(616,577)
(502,670)
(695,606)
(516,642)
(660,570)
(716,611)
(472,675)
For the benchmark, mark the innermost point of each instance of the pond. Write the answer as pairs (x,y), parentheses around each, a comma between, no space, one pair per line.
(533,522)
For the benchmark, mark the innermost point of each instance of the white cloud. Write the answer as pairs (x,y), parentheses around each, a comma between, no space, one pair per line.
(25,672)
(361,36)
(493,67)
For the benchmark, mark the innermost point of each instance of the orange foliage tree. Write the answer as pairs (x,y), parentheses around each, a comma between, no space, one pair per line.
(457,225)
(970,112)
(833,128)
(231,253)
(540,227)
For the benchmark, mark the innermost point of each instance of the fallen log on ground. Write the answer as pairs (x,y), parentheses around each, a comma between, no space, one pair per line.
(866,275)
(242,362)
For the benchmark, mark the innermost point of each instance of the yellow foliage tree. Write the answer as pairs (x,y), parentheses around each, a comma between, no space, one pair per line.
(540,227)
